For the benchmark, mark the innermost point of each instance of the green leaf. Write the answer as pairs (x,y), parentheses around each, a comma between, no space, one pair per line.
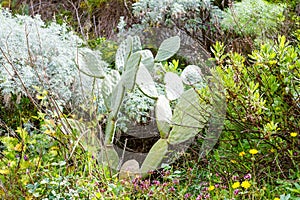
(188,118)
(174,85)
(108,156)
(191,75)
(136,44)
(145,82)
(129,169)
(147,59)
(132,66)
(109,83)
(163,114)
(123,53)
(155,156)
(168,48)
(117,98)
(90,64)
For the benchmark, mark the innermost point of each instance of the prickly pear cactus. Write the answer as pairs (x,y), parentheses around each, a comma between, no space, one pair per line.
(185,120)
(176,124)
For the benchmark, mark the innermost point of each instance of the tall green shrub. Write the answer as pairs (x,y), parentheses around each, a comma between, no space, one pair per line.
(263,97)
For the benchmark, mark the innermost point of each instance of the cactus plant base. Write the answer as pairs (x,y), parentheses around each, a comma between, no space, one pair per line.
(136,142)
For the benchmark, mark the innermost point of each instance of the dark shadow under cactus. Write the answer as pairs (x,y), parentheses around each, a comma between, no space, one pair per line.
(137,141)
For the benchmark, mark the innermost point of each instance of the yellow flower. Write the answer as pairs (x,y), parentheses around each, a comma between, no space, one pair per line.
(246,184)
(276,198)
(211,188)
(242,153)
(233,161)
(235,185)
(253,151)
(294,134)
(4,171)
(49,132)
(272,150)
(18,147)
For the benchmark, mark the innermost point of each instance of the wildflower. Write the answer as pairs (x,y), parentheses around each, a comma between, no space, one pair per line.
(172,189)
(199,197)
(18,147)
(241,154)
(207,196)
(247,176)
(276,198)
(176,181)
(25,157)
(224,187)
(272,150)
(293,134)
(145,185)
(235,177)
(233,161)
(205,183)
(236,192)
(4,171)
(49,132)
(253,151)
(246,184)
(211,188)
(187,195)
(295,153)
(167,173)
(235,185)
(102,190)
(156,182)
(217,185)
(123,182)
(150,193)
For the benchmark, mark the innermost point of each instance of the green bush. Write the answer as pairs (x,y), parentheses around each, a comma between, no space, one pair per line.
(263,103)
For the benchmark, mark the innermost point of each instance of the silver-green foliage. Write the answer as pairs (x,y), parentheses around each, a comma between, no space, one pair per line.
(254,18)
(166,11)
(197,18)
(47,55)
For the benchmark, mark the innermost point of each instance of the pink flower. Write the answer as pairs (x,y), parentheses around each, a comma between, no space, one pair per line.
(187,195)
(150,193)
(247,176)
(236,192)
(172,189)
(235,178)
(156,182)
(176,181)
(167,173)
